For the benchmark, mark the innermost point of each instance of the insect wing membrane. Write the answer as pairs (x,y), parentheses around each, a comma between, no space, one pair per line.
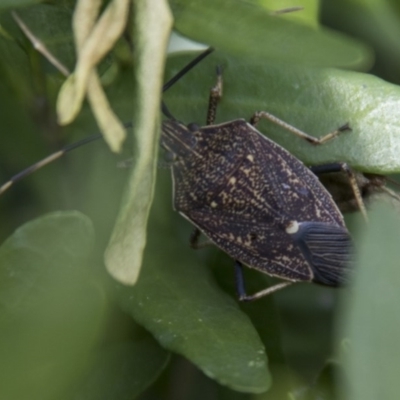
(328,249)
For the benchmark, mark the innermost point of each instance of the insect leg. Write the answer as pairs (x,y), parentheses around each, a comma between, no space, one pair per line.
(343,167)
(215,96)
(265,115)
(241,291)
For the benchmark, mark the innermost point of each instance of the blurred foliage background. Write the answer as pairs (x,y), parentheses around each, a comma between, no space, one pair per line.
(69,331)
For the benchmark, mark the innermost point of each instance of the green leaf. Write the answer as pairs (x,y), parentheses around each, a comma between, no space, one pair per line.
(16,3)
(123,256)
(51,25)
(62,228)
(14,70)
(307,15)
(316,101)
(52,311)
(242,28)
(178,301)
(256,310)
(371,318)
(121,371)
(376,22)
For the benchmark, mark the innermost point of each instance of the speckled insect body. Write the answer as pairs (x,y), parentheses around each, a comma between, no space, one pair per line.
(257,202)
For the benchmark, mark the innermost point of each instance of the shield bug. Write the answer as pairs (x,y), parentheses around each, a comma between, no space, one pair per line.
(256,201)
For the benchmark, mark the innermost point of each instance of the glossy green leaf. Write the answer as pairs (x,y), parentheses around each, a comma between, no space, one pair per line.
(316,101)
(178,301)
(256,310)
(121,371)
(243,28)
(307,15)
(52,312)
(152,24)
(371,321)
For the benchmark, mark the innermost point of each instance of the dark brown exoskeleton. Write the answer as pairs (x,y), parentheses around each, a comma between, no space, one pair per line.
(256,201)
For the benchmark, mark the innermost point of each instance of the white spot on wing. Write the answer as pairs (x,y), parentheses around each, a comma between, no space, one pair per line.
(292,227)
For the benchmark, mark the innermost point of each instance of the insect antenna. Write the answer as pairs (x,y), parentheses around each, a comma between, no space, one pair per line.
(47,160)
(187,68)
(60,153)
(179,75)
